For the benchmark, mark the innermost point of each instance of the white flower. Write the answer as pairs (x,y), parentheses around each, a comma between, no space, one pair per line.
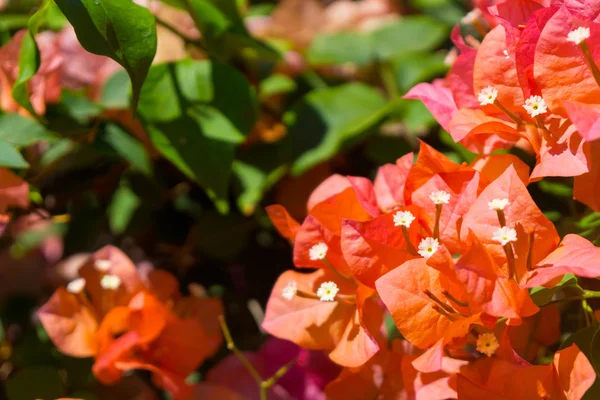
(535,105)
(76,286)
(318,251)
(505,235)
(471,16)
(578,35)
(498,204)
(289,291)
(505,52)
(428,247)
(197,290)
(327,291)
(440,197)
(403,218)
(487,344)
(110,282)
(102,265)
(487,95)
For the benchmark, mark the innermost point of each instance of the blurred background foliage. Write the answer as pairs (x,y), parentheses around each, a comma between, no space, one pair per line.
(246,104)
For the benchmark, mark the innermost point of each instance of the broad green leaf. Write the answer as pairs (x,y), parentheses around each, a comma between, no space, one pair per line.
(196,123)
(128,148)
(255,178)
(35,382)
(329,119)
(116,92)
(79,106)
(583,339)
(22,131)
(341,48)
(221,86)
(276,84)
(121,30)
(11,157)
(29,58)
(122,207)
(408,35)
(542,296)
(412,68)
(448,11)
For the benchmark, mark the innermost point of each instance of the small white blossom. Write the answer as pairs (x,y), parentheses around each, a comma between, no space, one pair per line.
(102,265)
(487,95)
(327,291)
(318,251)
(403,218)
(471,16)
(76,286)
(505,52)
(289,291)
(535,105)
(505,235)
(110,282)
(498,204)
(487,344)
(440,197)
(428,247)
(578,35)
(197,290)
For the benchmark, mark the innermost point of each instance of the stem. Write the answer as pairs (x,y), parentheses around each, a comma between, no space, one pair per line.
(480,28)
(501,218)
(389,80)
(231,346)
(455,300)
(314,79)
(335,271)
(409,246)
(175,31)
(593,67)
(587,294)
(510,258)
(438,214)
(510,114)
(440,303)
(280,372)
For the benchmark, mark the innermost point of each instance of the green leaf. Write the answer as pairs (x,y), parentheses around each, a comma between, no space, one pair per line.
(341,48)
(447,11)
(128,148)
(35,382)
(255,179)
(542,296)
(276,84)
(196,123)
(121,30)
(11,157)
(22,131)
(327,120)
(223,30)
(29,58)
(122,207)
(411,34)
(412,68)
(556,188)
(79,106)
(116,92)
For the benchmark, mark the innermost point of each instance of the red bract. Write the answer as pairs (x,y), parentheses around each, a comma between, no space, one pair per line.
(568,377)
(127,321)
(532,82)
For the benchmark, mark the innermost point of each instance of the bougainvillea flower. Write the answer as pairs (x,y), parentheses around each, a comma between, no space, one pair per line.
(483,220)
(14,191)
(44,86)
(390,375)
(129,321)
(575,255)
(304,380)
(568,377)
(346,324)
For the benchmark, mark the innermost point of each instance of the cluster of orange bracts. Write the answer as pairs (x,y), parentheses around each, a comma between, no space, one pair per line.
(450,251)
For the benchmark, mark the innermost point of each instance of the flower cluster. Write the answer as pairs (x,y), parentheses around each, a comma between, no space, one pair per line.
(532,81)
(450,252)
(132,321)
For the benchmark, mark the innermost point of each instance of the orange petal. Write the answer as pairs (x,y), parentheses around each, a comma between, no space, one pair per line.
(14,191)
(308,322)
(283,222)
(70,326)
(493,165)
(575,373)
(390,181)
